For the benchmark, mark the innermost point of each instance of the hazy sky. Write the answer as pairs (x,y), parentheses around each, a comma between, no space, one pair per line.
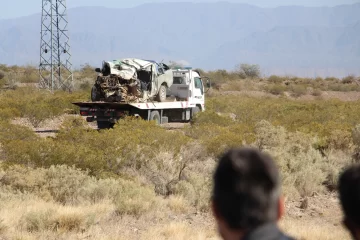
(17,8)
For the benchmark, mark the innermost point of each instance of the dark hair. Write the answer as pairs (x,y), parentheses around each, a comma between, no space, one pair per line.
(246,188)
(349,189)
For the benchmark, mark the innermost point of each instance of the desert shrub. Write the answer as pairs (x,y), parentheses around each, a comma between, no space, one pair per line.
(130,144)
(240,85)
(10,133)
(85,86)
(39,105)
(276,89)
(2,75)
(221,143)
(349,79)
(339,87)
(249,70)
(318,79)
(186,190)
(62,184)
(340,140)
(299,162)
(316,92)
(332,79)
(178,205)
(298,90)
(37,113)
(166,170)
(233,86)
(55,219)
(356,140)
(336,162)
(68,185)
(29,74)
(9,113)
(316,117)
(70,222)
(135,200)
(24,179)
(276,79)
(212,117)
(38,221)
(221,136)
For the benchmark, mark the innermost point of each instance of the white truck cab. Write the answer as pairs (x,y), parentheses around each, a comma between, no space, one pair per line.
(188,86)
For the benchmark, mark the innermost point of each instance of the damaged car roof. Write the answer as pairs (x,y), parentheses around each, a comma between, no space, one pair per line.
(132,62)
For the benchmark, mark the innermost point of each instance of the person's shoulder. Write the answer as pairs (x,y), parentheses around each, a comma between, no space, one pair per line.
(285,237)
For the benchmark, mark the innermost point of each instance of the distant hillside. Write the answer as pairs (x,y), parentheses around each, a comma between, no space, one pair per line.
(285,40)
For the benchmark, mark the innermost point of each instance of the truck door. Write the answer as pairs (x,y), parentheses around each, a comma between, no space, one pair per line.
(198,92)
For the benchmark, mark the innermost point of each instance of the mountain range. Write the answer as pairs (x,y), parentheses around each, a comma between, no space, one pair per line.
(292,40)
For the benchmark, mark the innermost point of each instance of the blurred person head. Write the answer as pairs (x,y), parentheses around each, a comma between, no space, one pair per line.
(246,193)
(349,190)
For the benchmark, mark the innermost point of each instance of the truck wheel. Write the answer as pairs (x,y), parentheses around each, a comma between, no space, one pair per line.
(161,97)
(94,94)
(155,116)
(195,111)
(104,125)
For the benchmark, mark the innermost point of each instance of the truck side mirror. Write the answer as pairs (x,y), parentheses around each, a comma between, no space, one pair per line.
(98,70)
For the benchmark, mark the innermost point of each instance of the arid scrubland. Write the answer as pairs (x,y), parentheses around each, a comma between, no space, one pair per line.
(141,181)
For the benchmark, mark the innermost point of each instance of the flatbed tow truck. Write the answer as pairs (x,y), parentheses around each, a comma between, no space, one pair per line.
(185,98)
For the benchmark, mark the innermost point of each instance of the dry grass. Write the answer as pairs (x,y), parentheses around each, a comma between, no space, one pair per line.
(312,229)
(30,218)
(180,231)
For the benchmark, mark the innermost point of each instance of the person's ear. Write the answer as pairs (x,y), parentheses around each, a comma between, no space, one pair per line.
(281,207)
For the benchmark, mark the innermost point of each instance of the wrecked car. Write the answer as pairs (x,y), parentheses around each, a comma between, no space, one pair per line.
(132,80)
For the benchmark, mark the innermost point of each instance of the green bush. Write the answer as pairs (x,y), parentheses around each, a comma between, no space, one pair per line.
(276,89)
(316,92)
(38,105)
(211,117)
(298,90)
(276,79)
(29,75)
(299,162)
(38,221)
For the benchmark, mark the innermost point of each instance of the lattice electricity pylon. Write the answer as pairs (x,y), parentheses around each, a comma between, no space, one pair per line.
(55,66)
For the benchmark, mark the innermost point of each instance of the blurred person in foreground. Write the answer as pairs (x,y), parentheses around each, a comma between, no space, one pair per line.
(246,199)
(349,190)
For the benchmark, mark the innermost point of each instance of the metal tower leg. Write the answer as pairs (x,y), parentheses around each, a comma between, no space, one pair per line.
(55,59)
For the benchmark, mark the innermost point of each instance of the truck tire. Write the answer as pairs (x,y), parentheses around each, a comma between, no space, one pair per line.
(161,97)
(104,124)
(155,116)
(195,111)
(94,94)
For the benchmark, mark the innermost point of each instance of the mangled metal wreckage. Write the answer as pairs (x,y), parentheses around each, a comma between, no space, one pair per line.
(132,80)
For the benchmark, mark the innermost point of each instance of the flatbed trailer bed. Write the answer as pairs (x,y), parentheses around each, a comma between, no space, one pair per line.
(106,114)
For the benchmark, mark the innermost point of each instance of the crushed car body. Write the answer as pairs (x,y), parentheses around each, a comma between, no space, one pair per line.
(132,80)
